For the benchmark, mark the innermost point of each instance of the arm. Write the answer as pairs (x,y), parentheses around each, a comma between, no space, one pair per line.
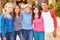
(54,18)
(55,22)
(21,17)
(3,27)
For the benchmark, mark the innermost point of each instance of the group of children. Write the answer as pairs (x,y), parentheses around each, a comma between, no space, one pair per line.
(32,23)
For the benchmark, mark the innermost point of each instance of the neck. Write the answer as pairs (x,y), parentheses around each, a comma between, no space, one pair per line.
(36,14)
(46,10)
(16,14)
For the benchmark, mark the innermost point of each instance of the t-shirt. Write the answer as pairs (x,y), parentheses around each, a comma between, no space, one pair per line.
(26,21)
(48,21)
(38,25)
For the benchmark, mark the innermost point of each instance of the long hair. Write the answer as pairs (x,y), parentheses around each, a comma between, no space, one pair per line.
(14,14)
(39,13)
(6,5)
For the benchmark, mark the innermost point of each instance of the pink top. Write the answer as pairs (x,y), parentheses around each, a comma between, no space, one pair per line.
(38,25)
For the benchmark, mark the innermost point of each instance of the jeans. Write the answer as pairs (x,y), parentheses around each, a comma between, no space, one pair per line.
(9,36)
(19,33)
(1,36)
(38,35)
(27,34)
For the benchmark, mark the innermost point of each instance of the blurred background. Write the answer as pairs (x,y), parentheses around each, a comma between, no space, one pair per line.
(53,4)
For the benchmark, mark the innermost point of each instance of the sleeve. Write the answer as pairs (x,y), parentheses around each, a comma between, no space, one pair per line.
(3,27)
(21,16)
(54,18)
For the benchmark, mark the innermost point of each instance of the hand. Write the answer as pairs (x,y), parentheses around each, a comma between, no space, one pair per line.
(54,34)
(20,24)
(4,38)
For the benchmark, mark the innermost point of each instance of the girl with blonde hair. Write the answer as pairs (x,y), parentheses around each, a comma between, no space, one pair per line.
(9,21)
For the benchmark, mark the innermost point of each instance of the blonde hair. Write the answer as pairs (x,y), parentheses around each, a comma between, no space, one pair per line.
(28,5)
(9,3)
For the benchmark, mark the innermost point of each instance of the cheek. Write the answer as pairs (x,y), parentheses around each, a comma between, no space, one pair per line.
(35,11)
(10,9)
(28,10)
(45,7)
(7,9)
(16,11)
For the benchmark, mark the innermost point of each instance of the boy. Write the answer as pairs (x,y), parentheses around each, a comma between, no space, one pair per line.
(26,17)
(50,22)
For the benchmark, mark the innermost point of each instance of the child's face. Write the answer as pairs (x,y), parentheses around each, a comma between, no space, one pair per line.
(27,10)
(17,9)
(9,8)
(44,6)
(36,10)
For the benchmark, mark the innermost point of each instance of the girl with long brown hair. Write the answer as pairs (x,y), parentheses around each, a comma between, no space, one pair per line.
(17,22)
(38,24)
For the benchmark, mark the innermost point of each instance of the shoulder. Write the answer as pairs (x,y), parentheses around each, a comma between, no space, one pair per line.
(51,10)
(2,13)
(23,13)
(41,11)
(30,13)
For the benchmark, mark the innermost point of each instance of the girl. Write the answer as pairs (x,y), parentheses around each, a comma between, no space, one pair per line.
(9,21)
(38,24)
(17,22)
(27,29)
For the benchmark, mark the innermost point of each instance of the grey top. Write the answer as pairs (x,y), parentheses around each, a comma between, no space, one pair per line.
(17,23)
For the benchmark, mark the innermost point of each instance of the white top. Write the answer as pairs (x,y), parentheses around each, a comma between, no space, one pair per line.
(48,22)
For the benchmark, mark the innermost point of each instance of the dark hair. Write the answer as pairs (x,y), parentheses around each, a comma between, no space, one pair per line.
(39,13)
(45,2)
(14,14)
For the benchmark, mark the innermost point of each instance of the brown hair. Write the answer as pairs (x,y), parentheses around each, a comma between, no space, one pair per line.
(45,2)
(33,15)
(14,14)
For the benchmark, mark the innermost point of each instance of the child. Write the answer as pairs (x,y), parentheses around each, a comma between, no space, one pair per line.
(27,28)
(50,22)
(9,21)
(17,22)
(38,24)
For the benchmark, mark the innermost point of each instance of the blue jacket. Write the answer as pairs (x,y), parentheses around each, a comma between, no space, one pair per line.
(2,26)
(9,25)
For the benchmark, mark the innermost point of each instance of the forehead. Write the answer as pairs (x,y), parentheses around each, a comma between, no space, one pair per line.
(44,3)
(36,8)
(27,8)
(10,5)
